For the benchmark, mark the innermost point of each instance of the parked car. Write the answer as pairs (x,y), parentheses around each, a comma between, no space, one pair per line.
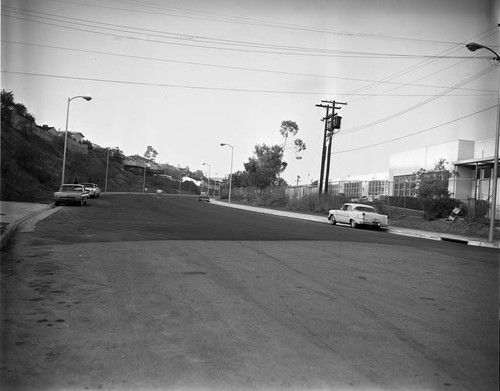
(204,197)
(358,214)
(93,189)
(71,194)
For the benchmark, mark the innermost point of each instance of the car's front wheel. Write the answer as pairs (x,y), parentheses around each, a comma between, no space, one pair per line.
(353,224)
(332,220)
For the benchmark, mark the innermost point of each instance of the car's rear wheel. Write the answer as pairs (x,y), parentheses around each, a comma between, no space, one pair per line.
(353,224)
(332,220)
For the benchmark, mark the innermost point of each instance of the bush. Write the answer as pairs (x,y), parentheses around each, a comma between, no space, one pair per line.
(440,207)
(316,203)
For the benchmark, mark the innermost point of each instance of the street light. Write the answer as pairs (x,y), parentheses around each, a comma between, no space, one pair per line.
(107,166)
(208,186)
(472,46)
(66,134)
(231,174)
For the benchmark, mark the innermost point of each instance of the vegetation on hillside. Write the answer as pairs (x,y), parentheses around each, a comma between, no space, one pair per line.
(31,166)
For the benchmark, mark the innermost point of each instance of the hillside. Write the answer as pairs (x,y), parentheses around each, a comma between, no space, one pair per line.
(31,169)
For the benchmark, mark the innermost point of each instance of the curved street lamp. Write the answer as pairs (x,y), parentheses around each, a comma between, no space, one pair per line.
(231,173)
(208,185)
(87,98)
(472,46)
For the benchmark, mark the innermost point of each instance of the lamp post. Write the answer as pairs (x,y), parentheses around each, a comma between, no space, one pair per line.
(66,134)
(231,173)
(472,46)
(180,181)
(208,185)
(106,181)
(107,167)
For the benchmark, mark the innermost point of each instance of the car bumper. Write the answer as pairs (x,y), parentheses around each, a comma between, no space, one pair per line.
(69,200)
(372,223)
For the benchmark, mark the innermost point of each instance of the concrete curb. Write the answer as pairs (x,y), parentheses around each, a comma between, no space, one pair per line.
(396,231)
(11,227)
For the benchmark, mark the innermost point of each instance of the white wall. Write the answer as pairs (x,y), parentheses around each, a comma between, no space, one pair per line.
(405,163)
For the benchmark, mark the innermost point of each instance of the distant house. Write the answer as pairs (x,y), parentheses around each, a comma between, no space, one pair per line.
(46,132)
(75,142)
(141,162)
(77,136)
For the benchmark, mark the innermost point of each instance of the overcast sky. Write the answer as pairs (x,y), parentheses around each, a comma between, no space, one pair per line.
(185,75)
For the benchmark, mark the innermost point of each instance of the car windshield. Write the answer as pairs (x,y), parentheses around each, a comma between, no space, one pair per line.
(366,209)
(70,188)
(88,184)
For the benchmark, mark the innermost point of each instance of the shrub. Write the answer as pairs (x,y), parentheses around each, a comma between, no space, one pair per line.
(316,203)
(439,207)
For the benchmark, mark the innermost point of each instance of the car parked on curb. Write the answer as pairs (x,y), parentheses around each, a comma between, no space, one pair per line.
(204,197)
(358,214)
(93,189)
(71,194)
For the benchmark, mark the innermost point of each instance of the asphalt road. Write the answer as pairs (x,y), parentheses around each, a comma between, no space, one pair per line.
(143,293)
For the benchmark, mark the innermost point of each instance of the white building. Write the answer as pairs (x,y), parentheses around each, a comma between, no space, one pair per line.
(472,161)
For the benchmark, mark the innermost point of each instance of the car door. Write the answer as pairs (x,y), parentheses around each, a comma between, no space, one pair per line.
(343,215)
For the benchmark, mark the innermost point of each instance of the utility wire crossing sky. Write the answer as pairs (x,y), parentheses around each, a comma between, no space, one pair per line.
(185,76)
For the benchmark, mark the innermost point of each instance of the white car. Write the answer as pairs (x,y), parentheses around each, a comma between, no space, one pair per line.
(358,214)
(93,189)
(71,194)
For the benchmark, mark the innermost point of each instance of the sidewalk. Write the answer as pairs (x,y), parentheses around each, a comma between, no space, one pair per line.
(12,214)
(471,241)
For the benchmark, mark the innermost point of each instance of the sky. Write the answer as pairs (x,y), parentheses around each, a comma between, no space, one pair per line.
(186,75)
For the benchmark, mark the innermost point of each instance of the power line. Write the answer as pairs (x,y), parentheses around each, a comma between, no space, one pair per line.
(204,42)
(415,133)
(459,46)
(420,104)
(197,87)
(218,17)
(248,69)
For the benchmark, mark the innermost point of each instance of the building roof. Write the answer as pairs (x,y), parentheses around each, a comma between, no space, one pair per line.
(472,162)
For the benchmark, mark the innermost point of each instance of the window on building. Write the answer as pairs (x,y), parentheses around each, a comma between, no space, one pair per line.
(334,188)
(376,188)
(405,185)
(352,189)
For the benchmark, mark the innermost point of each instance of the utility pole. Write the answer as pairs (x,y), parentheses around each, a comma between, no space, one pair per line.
(332,122)
(323,150)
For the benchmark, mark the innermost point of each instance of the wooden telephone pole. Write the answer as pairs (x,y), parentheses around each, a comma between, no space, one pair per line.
(332,122)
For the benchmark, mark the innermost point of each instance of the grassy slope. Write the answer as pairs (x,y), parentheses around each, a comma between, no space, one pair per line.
(31,169)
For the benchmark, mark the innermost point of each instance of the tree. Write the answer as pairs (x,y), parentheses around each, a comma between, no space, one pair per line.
(9,106)
(265,166)
(290,128)
(240,179)
(432,190)
(150,153)
(7,100)
(299,145)
(434,183)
